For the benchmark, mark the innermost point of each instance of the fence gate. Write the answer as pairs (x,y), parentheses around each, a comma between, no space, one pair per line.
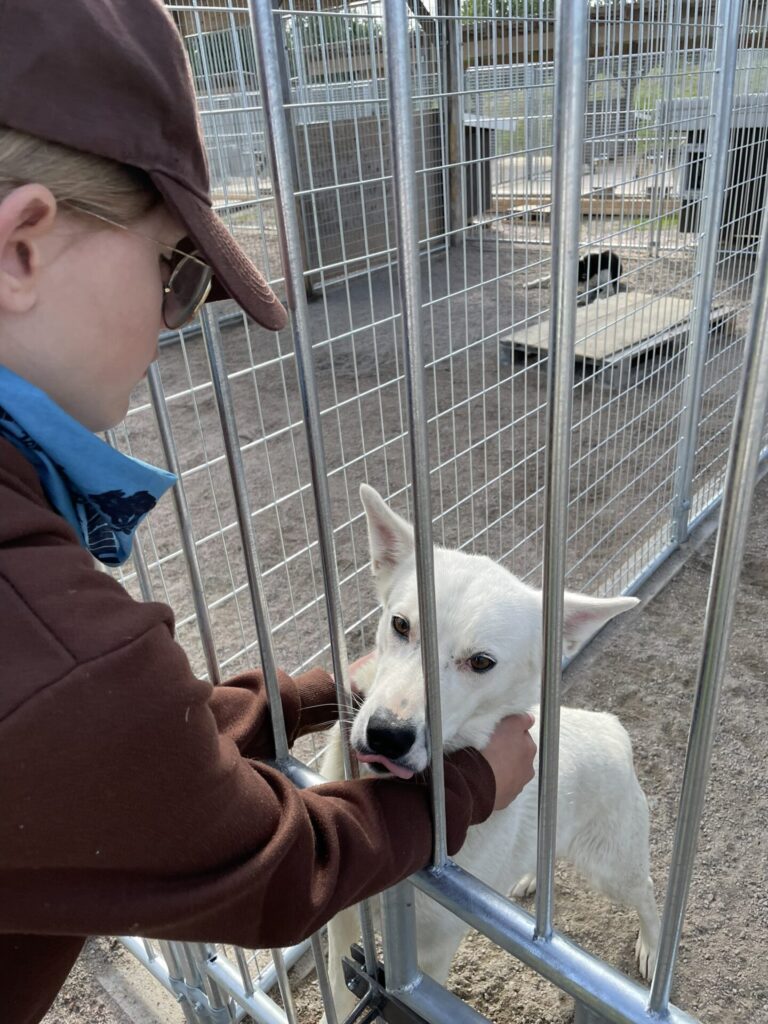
(420,181)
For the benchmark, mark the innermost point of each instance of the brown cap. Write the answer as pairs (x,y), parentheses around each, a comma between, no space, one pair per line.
(111,77)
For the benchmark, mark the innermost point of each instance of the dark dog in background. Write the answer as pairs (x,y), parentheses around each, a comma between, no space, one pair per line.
(599,274)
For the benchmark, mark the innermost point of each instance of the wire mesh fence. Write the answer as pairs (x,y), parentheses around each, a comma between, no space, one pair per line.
(482,82)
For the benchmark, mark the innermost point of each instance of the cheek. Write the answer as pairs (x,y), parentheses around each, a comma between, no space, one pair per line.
(460,695)
(139,290)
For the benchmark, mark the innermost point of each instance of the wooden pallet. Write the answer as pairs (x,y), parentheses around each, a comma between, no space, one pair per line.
(619,327)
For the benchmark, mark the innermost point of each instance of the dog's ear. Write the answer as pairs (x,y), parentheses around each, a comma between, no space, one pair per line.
(390,538)
(583,616)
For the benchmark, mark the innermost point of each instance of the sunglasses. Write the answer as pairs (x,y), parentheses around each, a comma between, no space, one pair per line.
(189,281)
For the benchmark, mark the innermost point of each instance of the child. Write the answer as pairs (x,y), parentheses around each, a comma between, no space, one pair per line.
(132,797)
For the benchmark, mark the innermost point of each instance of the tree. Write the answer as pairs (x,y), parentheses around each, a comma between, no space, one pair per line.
(507,8)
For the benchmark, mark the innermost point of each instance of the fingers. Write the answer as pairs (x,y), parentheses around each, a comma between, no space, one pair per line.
(528,719)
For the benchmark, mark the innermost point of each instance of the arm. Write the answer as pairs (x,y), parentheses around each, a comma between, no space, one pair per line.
(240,708)
(132,813)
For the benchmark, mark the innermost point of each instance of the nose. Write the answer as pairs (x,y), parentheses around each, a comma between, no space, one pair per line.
(388,735)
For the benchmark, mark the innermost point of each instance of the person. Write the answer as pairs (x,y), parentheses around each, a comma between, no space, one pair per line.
(134,797)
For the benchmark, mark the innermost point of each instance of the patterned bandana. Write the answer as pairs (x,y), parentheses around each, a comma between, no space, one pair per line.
(102,494)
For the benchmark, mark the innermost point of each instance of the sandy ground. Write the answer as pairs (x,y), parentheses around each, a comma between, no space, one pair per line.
(643,669)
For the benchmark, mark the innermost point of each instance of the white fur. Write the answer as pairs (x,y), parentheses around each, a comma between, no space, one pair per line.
(483,609)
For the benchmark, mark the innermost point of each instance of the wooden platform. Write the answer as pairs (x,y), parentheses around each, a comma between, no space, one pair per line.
(619,327)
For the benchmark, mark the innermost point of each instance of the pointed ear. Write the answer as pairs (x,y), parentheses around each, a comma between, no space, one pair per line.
(583,616)
(390,538)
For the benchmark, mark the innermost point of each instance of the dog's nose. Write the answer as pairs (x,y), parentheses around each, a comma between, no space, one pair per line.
(388,735)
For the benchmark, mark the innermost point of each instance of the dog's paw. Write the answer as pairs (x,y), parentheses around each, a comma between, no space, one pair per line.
(525,887)
(646,958)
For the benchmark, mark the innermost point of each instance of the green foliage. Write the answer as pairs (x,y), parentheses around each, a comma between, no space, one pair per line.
(310,30)
(507,8)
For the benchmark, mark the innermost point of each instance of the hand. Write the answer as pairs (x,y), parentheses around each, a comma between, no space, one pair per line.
(357,665)
(510,754)
(359,678)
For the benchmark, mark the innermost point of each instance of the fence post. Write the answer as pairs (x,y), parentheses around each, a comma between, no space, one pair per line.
(226,410)
(746,443)
(185,524)
(289,234)
(568,145)
(285,88)
(450,51)
(671,59)
(711,212)
(409,278)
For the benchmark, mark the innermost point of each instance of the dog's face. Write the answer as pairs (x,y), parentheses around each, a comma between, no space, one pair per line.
(488,638)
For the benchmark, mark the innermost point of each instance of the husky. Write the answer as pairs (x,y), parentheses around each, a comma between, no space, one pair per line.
(489,630)
(599,274)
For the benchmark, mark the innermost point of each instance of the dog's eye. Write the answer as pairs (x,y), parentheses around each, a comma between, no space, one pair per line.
(481,663)
(401,626)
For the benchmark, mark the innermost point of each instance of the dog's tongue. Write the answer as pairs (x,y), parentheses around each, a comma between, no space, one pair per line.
(395,769)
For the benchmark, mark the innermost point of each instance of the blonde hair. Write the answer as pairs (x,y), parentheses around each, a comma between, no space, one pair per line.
(80,182)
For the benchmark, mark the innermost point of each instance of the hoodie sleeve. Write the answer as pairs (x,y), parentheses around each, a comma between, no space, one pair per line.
(132,804)
(241,710)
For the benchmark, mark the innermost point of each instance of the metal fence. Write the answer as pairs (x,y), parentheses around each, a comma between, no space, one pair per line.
(420,182)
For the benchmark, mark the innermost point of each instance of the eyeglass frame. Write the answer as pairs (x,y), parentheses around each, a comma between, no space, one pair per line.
(164,245)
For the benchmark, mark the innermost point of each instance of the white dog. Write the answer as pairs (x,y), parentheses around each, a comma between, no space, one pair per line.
(489,645)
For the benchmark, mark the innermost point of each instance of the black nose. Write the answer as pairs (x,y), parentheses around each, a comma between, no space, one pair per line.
(389,736)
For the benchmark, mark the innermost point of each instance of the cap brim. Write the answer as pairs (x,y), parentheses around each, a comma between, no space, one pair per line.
(235,276)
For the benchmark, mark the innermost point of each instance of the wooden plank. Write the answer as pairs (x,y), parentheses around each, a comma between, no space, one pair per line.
(535,207)
(618,327)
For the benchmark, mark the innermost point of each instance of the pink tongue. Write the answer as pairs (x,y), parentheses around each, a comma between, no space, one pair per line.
(395,769)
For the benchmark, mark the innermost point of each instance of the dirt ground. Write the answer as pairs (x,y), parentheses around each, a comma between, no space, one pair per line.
(487,439)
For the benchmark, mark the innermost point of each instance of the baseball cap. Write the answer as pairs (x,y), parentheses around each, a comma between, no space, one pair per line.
(111,77)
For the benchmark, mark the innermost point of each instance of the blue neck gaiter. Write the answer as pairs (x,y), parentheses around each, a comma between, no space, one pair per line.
(102,494)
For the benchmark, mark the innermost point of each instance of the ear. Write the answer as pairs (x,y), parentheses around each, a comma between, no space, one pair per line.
(583,616)
(390,538)
(26,215)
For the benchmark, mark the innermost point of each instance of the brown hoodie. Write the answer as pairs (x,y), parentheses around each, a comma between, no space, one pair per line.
(132,800)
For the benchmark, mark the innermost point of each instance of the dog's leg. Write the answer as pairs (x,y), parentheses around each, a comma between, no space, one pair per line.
(646,947)
(343,930)
(526,886)
(612,853)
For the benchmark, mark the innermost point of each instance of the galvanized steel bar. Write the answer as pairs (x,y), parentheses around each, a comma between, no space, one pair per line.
(741,474)
(398,56)
(278,135)
(289,236)
(245,974)
(137,550)
(284,985)
(259,1005)
(185,525)
(589,980)
(166,970)
(437,1005)
(228,419)
(710,215)
(218,998)
(568,146)
(399,917)
(674,11)
(142,570)
(285,84)
(449,33)
(323,982)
